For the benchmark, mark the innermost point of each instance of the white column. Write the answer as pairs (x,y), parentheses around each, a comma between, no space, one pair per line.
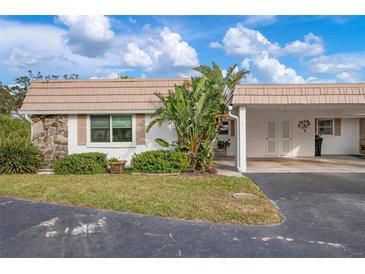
(242,145)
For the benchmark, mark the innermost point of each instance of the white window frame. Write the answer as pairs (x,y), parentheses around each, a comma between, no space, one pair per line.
(333,126)
(111,143)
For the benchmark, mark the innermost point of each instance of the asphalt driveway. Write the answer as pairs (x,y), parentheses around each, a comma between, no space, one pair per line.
(324,217)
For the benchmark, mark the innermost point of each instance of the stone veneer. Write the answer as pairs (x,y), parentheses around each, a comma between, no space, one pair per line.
(50,133)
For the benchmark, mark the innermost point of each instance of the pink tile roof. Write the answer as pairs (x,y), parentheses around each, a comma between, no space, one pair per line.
(137,95)
(80,96)
(282,94)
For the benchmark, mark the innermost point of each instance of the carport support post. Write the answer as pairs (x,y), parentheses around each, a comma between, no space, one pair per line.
(242,140)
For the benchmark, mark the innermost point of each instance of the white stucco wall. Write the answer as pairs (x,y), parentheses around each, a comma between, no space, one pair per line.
(166,132)
(302,142)
(347,143)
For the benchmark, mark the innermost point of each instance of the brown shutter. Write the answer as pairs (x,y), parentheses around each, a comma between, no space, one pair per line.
(81,130)
(232,129)
(337,127)
(140,129)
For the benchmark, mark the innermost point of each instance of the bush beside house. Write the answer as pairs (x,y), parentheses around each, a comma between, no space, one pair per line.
(161,161)
(14,129)
(18,158)
(84,163)
(17,154)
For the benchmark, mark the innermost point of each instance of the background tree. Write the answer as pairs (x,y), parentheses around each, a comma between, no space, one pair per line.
(12,96)
(7,101)
(197,109)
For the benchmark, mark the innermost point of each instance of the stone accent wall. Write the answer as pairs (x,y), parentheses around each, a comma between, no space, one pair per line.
(50,134)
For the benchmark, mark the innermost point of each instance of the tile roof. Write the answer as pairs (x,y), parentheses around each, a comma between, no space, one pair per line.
(82,96)
(282,94)
(137,95)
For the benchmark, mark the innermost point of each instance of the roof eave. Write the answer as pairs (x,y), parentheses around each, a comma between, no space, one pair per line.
(66,112)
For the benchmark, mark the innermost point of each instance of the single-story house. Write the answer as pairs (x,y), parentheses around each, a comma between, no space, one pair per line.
(267,120)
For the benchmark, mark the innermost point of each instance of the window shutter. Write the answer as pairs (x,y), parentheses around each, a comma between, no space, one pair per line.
(232,128)
(337,127)
(140,129)
(81,130)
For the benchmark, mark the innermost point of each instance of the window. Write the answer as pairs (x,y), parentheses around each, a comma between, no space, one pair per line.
(325,126)
(100,129)
(224,129)
(111,128)
(122,128)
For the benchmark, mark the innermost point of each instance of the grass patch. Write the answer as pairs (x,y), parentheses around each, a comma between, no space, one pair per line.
(206,198)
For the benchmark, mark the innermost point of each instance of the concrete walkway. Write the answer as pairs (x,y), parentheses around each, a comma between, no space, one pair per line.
(343,163)
(324,217)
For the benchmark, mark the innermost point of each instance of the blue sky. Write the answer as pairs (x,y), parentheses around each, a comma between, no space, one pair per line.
(275,49)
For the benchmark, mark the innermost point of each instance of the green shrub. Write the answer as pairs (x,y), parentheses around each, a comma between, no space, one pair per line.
(161,161)
(84,163)
(113,160)
(19,157)
(12,129)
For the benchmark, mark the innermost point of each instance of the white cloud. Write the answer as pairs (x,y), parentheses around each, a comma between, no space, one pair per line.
(162,51)
(178,51)
(261,55)
(22,58)
(246,64)
(311,46)
(90,36)
(259,20)
(136,57)
(240,40)
(132,20)
(40,48)
(215,45)
(337,63)
(346,77)
(271,70)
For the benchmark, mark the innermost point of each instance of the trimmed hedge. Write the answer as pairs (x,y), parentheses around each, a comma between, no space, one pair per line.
(19,157)
(161,161)
(83,163)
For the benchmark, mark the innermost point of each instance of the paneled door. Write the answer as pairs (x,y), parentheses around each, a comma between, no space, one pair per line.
(278,138)
(271,138)
(285,138)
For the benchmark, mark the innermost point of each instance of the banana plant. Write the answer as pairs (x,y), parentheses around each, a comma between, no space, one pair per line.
(196,110)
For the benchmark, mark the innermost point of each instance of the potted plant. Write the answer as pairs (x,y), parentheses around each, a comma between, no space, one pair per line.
(116,166)
(222,146)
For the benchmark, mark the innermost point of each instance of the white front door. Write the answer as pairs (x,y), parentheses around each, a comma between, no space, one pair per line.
(278,138)
(285,138)
(271,138)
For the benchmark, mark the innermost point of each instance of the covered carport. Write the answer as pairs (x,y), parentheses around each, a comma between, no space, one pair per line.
(277,126)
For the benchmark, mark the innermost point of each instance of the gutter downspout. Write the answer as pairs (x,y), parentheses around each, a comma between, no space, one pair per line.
(31,127)
(238,142)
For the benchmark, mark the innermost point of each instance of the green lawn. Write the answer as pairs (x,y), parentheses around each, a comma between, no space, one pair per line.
(205,198)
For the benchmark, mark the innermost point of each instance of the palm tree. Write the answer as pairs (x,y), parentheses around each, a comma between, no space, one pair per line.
(197,109)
